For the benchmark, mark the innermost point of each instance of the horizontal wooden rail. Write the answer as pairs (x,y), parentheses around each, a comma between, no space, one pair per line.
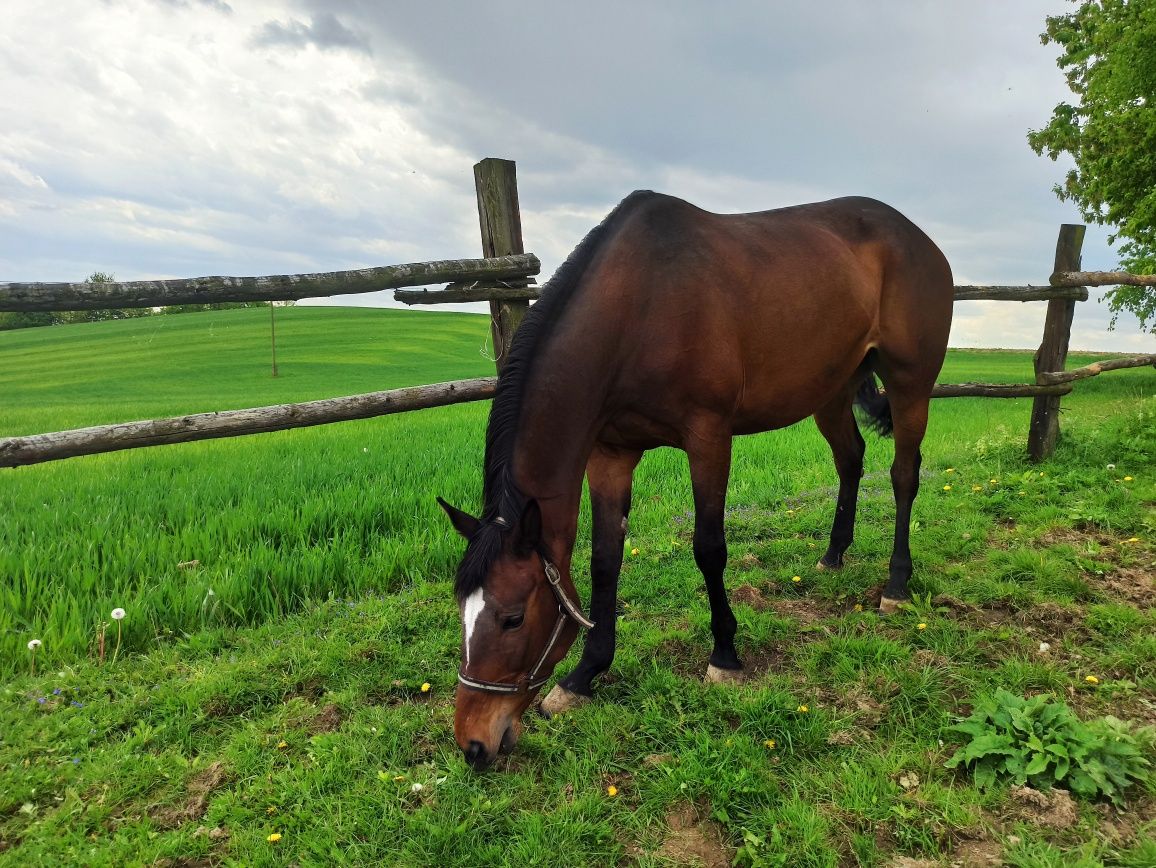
(1051,377)
(997,390)
(1019,293)
(1101,278)
(35,448)
(458,293)
(276,287)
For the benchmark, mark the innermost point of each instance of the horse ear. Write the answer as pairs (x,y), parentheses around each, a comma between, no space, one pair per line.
(529,527)
(463,522)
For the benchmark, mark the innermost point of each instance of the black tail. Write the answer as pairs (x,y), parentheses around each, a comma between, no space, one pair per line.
(875,409)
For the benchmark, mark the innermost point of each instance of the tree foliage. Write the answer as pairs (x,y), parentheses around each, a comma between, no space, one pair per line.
(1109,60)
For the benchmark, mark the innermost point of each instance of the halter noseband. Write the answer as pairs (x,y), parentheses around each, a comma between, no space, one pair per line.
(567,609)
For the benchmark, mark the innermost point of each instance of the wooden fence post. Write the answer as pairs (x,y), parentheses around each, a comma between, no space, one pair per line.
(1053,351)
(496,182)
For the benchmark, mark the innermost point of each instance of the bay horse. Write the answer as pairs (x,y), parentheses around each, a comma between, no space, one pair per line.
(673,326)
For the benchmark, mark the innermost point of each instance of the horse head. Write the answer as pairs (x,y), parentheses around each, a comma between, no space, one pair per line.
(518,622)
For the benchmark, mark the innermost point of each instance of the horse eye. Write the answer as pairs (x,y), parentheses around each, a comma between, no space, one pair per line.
(513,622)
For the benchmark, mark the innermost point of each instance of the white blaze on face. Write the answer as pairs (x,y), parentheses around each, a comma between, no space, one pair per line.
(471,610)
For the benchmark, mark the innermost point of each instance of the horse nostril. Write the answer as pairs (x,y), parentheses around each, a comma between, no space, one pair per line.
(476,754)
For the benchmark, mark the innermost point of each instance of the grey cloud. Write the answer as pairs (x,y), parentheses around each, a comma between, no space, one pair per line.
(218,5)
(324,31)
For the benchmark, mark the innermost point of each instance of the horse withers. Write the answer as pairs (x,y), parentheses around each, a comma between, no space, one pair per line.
(674,326)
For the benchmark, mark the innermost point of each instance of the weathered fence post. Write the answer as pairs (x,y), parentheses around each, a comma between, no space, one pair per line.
(1053,351)
(496,182)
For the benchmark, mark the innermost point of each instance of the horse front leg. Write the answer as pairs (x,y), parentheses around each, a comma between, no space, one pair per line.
(710,462)
(610,473)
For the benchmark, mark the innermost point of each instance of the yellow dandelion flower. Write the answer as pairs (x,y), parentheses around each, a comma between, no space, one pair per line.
(612,791)
(281,745)
(858,607)
(425,687)
(950,470)
(1133,539)
(769,744)
(634,552)
(1092,679)
(977,488)
(1127,478)
(796,579)
(947,488)
(271,810)
(397,779)
(993,481)
(921,626)
(802,709)
(274,838)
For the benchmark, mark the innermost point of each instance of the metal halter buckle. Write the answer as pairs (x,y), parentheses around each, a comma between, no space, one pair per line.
(567,609)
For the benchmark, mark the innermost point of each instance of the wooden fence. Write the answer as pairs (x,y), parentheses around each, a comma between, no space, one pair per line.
(502,279)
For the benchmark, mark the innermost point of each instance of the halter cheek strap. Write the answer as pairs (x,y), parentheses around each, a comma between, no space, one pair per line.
(567,610)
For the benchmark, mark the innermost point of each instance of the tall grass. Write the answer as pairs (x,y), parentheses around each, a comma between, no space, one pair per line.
(238,531)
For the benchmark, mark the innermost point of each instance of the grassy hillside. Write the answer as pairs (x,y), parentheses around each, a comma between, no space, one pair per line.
(287,700)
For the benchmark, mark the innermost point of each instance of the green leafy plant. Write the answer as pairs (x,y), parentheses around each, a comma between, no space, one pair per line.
(1041,742)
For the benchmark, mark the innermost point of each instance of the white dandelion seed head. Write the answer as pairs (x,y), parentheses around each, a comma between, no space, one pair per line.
(416,788)
(1111,466)
(117,614)
(33,644)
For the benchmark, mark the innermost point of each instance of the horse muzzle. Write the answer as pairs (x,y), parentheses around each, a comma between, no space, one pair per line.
(481,758)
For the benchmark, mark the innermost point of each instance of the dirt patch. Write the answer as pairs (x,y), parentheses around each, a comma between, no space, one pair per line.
(692,841)
(328,719)
(198,789)
(1080,539)
(1134,584)
(977,854)
(751,596)
(1047,620)
(867,711)
(801,609)
(1053,810)
(1122,827)
(1052,620)
(909,862)
(969,613)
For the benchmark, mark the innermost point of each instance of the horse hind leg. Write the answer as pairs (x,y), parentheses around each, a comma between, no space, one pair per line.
(610,474)
(836,422)
(910,419)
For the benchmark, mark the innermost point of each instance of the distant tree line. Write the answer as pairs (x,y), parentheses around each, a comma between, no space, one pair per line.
(32,319)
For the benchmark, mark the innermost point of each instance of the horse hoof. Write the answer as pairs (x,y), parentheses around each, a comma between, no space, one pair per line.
(560,700)
(889,606)
(717,675)
(821,567)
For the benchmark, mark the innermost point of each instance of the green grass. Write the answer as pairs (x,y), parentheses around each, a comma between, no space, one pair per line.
(331,567)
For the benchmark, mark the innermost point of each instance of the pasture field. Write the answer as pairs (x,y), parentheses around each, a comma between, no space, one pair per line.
(289,594)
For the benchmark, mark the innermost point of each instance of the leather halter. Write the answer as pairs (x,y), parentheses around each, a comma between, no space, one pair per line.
(567,609)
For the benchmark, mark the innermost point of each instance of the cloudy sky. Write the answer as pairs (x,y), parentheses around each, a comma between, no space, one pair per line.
(178,138)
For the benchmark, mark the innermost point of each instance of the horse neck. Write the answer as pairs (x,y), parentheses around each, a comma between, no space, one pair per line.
(556,433)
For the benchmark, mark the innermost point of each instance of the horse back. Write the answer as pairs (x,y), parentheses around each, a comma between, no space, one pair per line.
(761,317)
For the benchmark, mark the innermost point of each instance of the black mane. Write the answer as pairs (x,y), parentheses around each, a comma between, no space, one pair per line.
(500,496)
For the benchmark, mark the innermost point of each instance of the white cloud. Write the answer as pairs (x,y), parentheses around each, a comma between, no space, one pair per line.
(182,137)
